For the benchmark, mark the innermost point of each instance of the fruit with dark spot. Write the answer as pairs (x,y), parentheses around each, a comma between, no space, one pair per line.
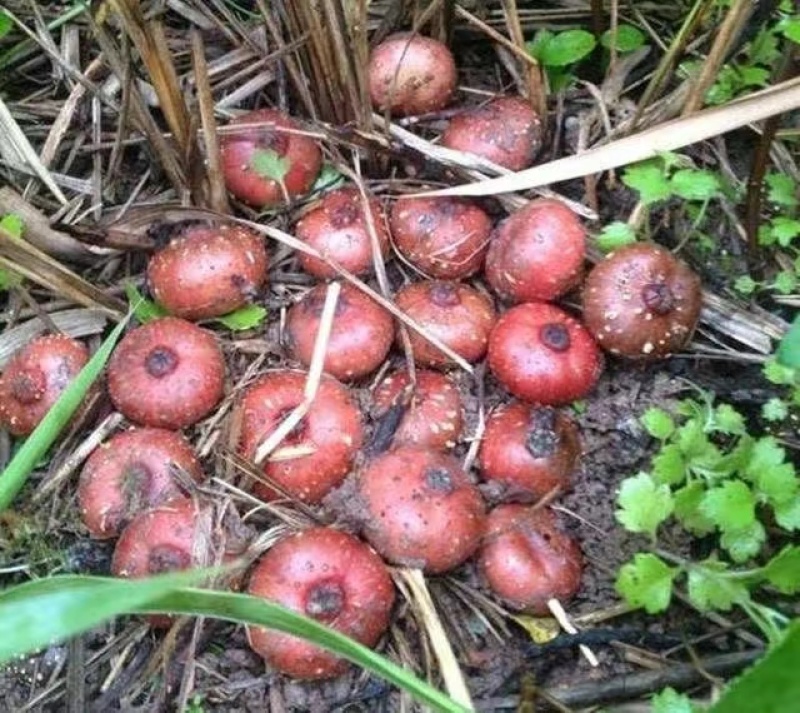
(208,270)
(543,355)
(337,228)
(445,238)
(431,409)
(506,131)
(529,451)
(132,472)
(642,302)
(318,453)
(456,314)
(422,510)
(168,373)
(527,558)
(360,339)
(263,149)
(411,74)
(35,377)
(329,576)
(537,253)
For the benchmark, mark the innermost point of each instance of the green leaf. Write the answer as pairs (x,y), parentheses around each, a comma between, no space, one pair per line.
(784,230)
(670,701)
(745,285)
(649,180)
(646,582)
(764,48)
(745,543)
(777,484)
(270,164)
(709,588)
(329,178)
(777,373)
(785,282)
(783,570)
(628,38)
(781,189)
(788,351)
(644,504)
(790,28)
(244,318)
(565,48)
(669,466)
(687,508)
(614,236)
(535,47)
(787,514)
(13,478)
(695,185)
(754,76)
(658,423)
(12,224)
(144,310)
(731,506)
(6,24)
(774,410)
(728,420)
(698,450)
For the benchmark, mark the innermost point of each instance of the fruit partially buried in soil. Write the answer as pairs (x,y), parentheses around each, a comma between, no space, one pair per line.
(446,238)
(318,453)
(168,373)
(456,314)
(360,339)
(527,558)
(34,379)
(543,355)
(208,270)
(262,165)
(537,253)
(411,74)
(431,409)
(642,302)
(506,131)
(329,576)
(421,509)
(337,228)
(529,451)
(132,472)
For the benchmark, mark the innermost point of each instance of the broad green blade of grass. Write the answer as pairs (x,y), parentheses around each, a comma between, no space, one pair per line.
(13,478)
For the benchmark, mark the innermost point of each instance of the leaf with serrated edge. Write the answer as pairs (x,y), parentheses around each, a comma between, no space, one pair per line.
(745,543)
(783,570)
(709,588)
(670,701)
(644,504)
(687,508)
(731,506)
(646,582)
(669,466)
(658,423)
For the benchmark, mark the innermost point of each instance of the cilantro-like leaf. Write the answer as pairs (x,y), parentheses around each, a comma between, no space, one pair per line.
(787,514)
(788,351)
(669,465)
(728,420)
(658,423)
(781,189)
(709,588)
(614,236)
(650,180)
(745,285)
(670,701)
(783,570)
(628,38)
(774,410)
(687,508)
(744,543)
(644,504)
(785,282)
(646,582)
(777,484)
(246,317)
(784,230)
(144,310)
(777,373)
(695,184)
(268,163)
(731,505)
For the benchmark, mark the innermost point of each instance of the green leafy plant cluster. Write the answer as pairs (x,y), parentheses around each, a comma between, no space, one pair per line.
(672,175)
(713,479)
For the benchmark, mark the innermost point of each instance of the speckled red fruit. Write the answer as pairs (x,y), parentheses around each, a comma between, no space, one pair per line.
(505,131)
(324,443)
(537,253)
(530,451)
(244,152)
(458,315)
(446,238)
(337,228)
(422,509)
(411,74)
(207,271)
(35,377)
(360,339)
(167,373)
(329,576)
(543,355)
(132,472)
(432,409)
(171,537)
(527,558)
(641,302)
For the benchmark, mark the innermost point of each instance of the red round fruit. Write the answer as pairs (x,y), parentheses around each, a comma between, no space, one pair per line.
(505,131)
(431,409)
(542,354)
(132,472)
(456,314)
(642,302)
(360,339)
(168,373)
(537,253)
(337,228)
(530,451)
(34,379)
(329,576)
(251,154)
(411,74)
(527,558)
(422,510)
(208,270)
(326,440)
(446,238)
